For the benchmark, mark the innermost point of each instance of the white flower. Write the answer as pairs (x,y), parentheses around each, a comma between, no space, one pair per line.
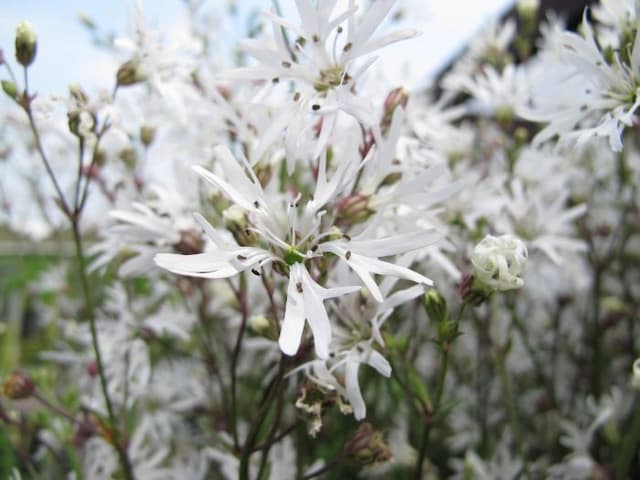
(292,237)
(498,261)
(158,223)
(349,350)
(316,59)
(581,94)
(304,301)
(324,64)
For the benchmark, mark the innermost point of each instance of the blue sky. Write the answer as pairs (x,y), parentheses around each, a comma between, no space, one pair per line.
(66,54)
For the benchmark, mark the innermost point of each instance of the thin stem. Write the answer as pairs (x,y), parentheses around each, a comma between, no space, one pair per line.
(73,217)
(94,160)
(442,376)
(424,442)
(252,436)
(240,294)
(10,70)
(514,418)
(272,433)
(272,441)
(36,135)
(76,196)
(596,334)
(26,79)
(630,444)
(326,467)
(122,454)
(285,36)
(531,351)
(55,408)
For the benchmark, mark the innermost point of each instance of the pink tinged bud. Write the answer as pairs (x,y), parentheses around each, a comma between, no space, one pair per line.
(398,97)
(92,368)
(354,209)
(18,386)
(472,292)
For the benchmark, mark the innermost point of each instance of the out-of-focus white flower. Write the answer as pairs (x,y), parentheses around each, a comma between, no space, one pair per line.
(499,261)
(581,93)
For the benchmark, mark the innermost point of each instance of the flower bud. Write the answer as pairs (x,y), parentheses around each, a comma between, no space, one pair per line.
(435,305)
(191,242)
(259,324)
(73,121)
(498,262)
(147,135)
(26,43)
(129,73)
(18,386)
(236,222)
(10,88)
(367,446)
(354,209)
(398,97)
(472,291)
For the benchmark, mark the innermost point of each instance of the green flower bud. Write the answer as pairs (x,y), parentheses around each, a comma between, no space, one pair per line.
(73,120)
(147,135)
(10,88)
(129,73)
(435,305)
(26,43)
(259,324)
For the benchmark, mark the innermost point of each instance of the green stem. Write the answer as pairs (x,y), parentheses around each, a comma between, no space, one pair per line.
(444,363)
(442,376)
(122,454)
(74,219)
(240,294)
(272,433)
(326,467)
(76,196)
(630,445)
(254,431)
(43,156)
(531,351)
(596,334)
(514,418)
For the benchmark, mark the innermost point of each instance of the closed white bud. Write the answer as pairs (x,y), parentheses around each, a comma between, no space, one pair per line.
(26,43)
(499,262)
(259,324)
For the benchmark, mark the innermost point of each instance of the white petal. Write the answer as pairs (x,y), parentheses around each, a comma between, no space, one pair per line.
(293,323)
(354,395)
(377,361)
